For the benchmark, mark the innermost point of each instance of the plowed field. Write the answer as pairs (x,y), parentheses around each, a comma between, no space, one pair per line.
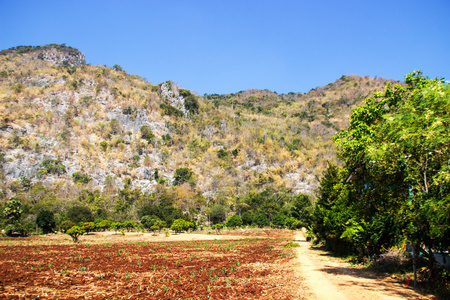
(250,268)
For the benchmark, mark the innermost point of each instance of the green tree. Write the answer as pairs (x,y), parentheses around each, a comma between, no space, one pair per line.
(80,214)
(45,220)
(182,175)
(75,232)
(13,210)
(234,221)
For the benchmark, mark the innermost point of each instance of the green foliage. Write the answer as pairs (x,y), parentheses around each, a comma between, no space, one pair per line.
(395,182)
(217,227)
(80,214)
(234,221)
(45,220)
(104,145)
(180,225)
(261,220)
(79,177)
(182,175)
(88,226)
(13,210)
(147,133)
(66,225)
(217,213)
(191,104)
(75,232)
(222,154)
(129,224)
(169,110)
(52,166)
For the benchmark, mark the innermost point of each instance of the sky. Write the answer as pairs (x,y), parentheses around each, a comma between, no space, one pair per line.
(226,46)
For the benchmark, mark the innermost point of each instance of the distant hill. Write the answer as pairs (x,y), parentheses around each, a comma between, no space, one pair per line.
(69,129)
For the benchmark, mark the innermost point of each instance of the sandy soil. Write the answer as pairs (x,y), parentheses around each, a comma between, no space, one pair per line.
(331,278)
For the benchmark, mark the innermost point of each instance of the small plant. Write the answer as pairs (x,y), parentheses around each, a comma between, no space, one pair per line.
(167,234)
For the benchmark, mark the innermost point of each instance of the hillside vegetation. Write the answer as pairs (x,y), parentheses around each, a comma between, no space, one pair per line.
(73,134)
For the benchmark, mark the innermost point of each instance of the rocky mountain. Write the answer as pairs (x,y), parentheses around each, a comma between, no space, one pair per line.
(71,127)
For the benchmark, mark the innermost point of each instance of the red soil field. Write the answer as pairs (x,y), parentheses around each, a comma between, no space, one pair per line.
(250,268)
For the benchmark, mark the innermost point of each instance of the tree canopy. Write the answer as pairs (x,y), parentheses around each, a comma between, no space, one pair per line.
(395,179)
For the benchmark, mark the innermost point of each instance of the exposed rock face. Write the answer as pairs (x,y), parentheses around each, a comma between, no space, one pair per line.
(172,97)
(62,58)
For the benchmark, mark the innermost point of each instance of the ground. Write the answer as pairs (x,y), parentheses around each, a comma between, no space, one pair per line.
(235,264)
(328,277)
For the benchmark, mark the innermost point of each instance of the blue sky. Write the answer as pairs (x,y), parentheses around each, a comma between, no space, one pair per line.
(225,46)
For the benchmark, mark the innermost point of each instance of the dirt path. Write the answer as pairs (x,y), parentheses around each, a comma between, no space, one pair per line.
(330,278)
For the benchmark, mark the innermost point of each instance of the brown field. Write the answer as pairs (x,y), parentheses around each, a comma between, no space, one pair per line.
(233,265)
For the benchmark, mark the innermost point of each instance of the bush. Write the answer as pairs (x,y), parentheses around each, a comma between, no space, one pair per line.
(75,232)
(392,261)
(217,227)
(147,133)
(88,226)
(180,225)
(191,104)
(52,166)
(182,175)
(46,221)
(79,177)
(261,220)
(247,218)
(234,221)
(169,110)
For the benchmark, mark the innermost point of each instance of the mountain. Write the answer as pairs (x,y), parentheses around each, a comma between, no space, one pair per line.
(70,131)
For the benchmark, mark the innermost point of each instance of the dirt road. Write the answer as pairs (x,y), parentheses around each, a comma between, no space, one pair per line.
(330,278)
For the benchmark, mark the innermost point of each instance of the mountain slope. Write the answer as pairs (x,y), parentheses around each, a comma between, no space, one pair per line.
(68,127)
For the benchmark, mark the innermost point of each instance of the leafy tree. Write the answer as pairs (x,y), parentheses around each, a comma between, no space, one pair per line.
(75,232)
(66,225)
(80,214)
(191,104)
(302,209)
(13,210)
(45,220)
(261,220)
(129,225)
(394,183)
(279,220)
(88,226)
(247,218)
(182,175)
(234,221)
(217,213)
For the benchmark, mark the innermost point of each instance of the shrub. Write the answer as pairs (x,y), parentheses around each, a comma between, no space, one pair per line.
(45,220)
(217,227)
(182,175)
(261,220)
(129,225)
(147,134)
(247,218)
(52,166)
(234,221)
(191,104)
(75,232)
(79,177)
(88,226)
(181,225)
(104,145)
(169,110)
(392,261)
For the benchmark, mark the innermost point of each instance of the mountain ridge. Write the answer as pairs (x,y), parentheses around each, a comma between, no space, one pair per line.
(119,130)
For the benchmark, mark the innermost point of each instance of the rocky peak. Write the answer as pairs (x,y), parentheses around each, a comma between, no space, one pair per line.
(60,55)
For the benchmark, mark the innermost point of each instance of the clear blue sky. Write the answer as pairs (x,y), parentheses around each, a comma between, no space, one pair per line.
(224,46)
